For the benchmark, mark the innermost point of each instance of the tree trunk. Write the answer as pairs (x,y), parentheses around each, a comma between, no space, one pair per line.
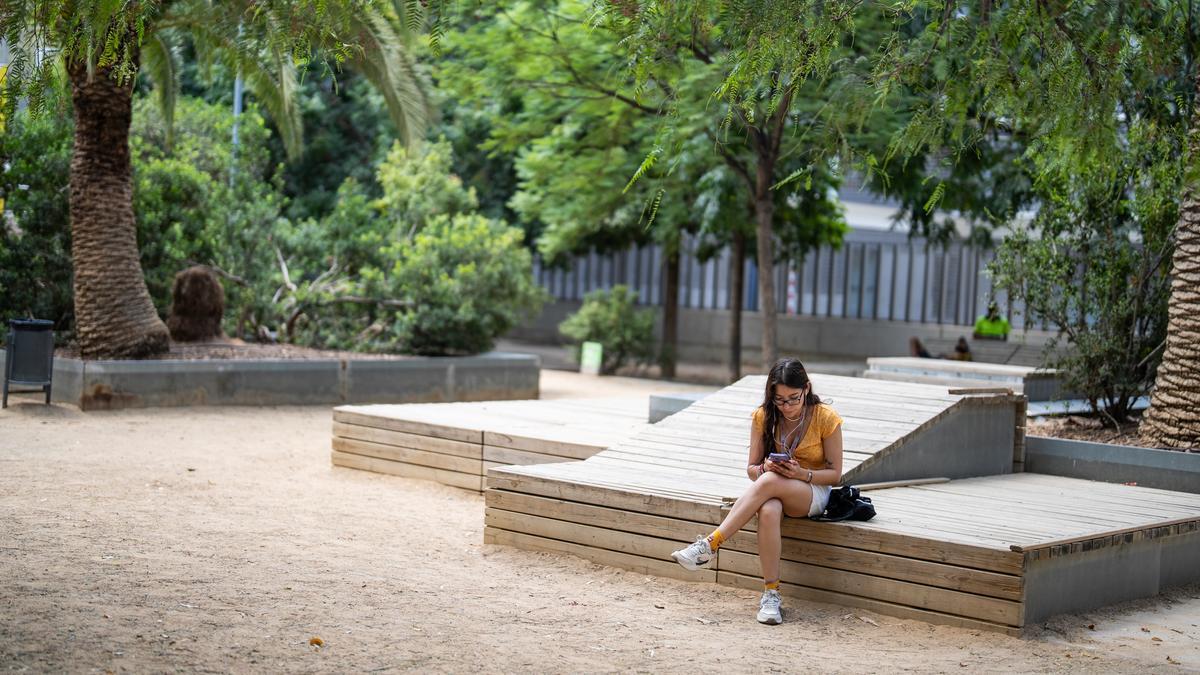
(114,316)
(737,289)
(1173,419)
(764,213)
(670,317)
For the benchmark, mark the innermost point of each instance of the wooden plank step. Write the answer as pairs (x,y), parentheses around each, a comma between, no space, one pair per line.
(929,573)
(993,610)
(684,531)
(406,440)
(578,447)
(350,415)
(896,540)
(452,478)
(394,453)
(848,600)
(633,563)
(609,495)
(578,533)
(508,456)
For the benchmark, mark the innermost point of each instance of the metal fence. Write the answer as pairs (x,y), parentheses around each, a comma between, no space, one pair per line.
(873,275)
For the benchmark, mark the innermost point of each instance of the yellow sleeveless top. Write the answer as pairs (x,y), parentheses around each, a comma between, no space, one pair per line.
(810,453)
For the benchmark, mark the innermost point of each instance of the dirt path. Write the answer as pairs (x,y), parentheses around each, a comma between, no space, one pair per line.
(222,540)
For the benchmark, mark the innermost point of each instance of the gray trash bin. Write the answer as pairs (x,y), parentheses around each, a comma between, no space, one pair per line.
(29,360)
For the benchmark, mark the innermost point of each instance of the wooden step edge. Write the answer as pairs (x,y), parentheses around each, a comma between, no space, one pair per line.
(464,481)
(933,573)
(1109,537)
(625,561)
(878,606)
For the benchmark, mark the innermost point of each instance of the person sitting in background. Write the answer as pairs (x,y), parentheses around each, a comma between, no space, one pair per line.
(991,326)
(962,350)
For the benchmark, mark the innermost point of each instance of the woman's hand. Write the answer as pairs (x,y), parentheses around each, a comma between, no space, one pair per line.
(788,469)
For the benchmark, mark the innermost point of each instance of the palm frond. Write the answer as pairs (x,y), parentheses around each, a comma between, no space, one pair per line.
(158,63)
(268,70)
(384,61)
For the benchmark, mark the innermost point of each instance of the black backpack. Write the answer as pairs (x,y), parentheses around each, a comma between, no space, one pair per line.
(847,503)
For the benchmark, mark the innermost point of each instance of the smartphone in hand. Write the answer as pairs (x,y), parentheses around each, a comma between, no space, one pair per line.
(779,457)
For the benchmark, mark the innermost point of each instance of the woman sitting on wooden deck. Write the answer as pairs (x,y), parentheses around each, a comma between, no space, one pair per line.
(795,459)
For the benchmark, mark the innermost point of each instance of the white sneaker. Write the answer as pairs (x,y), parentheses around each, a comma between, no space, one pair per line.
(696,555)
(768,608)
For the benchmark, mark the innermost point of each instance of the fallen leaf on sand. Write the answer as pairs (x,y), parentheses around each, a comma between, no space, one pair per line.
(316,641)
(1156,639)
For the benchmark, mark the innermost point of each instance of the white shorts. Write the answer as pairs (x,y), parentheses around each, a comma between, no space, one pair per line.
(820,499)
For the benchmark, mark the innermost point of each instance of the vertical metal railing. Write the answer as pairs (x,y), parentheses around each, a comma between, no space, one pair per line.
(900,280)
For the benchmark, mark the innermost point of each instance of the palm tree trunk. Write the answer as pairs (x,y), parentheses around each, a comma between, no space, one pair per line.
(1173,419)
(114,316)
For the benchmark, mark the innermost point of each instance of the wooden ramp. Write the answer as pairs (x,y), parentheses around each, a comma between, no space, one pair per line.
(456,443)
(996,552)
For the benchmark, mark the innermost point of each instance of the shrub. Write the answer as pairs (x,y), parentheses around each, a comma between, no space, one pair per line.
(1107,298)
(35,232)
(612,318)
(467,279)
(191,209)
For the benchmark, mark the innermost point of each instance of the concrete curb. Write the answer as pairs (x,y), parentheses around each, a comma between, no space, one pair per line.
(114,385)
(1148,467)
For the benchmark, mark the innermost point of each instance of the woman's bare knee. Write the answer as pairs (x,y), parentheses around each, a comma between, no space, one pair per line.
(771,511)
(769,482)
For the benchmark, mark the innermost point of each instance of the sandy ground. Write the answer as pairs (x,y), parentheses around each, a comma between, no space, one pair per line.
(221,539)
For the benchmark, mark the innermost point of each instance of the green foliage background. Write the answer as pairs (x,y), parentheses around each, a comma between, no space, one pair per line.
(386,269)
(612,318)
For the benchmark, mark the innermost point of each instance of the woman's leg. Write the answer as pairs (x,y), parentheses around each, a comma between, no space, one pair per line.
(795,496)
(770,540)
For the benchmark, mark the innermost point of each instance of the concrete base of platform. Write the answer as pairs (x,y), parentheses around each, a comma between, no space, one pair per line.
(112,385)
(1147,467)
(1112,569)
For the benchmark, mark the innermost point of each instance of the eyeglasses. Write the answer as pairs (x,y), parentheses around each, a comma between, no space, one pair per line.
(790,401)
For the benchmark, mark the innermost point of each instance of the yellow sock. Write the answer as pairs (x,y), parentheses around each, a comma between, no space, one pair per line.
(716,539)
(770,585)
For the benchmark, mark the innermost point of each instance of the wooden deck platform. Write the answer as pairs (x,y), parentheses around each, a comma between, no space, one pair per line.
(1014,351)
(997,552)
(456,443)
(1037,384)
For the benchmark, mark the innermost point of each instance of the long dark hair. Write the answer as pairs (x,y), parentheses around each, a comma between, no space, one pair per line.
(790,373)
